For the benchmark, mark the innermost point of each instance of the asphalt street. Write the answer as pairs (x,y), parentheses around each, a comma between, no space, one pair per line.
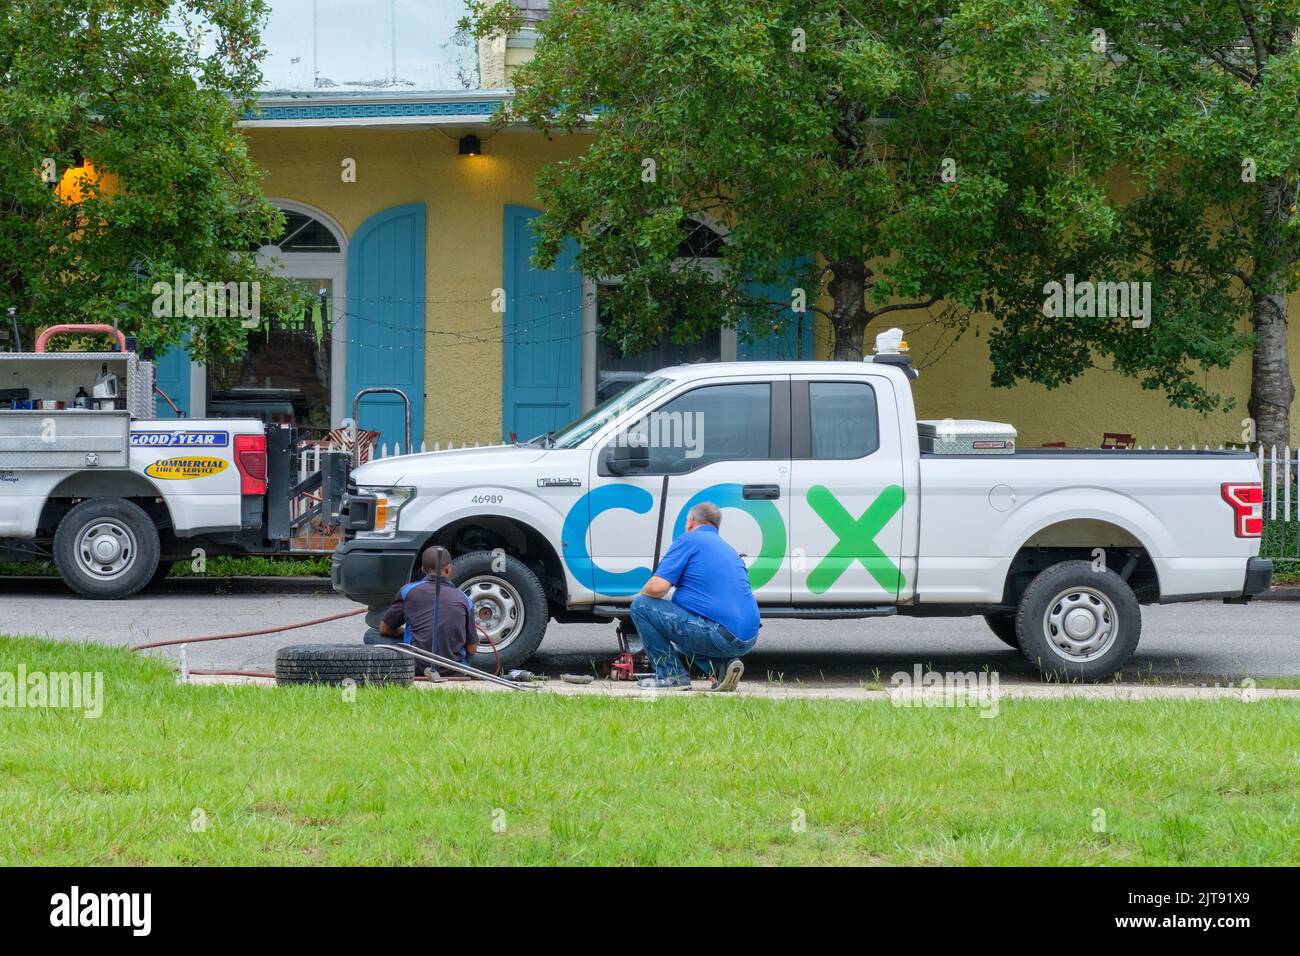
(1199,643)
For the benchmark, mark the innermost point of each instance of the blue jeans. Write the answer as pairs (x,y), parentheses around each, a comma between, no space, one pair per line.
(671,633)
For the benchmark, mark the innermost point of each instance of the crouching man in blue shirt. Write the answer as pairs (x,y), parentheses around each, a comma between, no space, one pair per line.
(712,618)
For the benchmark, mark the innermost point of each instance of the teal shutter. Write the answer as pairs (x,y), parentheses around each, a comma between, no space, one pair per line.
(795,341)
(386,321)
(542,332)
(171,373)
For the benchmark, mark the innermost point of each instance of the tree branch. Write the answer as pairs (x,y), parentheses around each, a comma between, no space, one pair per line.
(901,307)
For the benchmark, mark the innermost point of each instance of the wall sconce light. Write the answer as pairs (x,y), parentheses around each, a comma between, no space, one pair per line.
(470,145)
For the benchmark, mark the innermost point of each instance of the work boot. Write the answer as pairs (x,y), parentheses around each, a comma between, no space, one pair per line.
(730,679)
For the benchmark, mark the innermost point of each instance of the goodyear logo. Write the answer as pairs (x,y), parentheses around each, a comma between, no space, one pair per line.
(182,468)
(212,439)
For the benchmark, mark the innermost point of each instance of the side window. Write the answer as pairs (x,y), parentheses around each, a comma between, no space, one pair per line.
(845,423)
(713,423)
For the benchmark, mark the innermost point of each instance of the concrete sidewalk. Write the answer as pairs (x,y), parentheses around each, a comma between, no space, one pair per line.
(902,696)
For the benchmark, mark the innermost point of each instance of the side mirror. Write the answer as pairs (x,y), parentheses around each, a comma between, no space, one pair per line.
(624,457)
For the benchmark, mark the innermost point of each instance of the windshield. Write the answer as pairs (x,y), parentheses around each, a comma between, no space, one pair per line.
(576,432)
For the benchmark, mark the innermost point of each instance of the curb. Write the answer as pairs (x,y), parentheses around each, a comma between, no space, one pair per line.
(1285,592)
(32,584)
(758,690)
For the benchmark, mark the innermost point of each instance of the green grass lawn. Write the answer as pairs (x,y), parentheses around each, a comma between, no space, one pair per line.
(300,775)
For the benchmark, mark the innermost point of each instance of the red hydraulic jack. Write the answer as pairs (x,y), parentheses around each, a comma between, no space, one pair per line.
(623,666)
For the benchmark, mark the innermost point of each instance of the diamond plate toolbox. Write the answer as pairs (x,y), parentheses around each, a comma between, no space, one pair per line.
(966,436)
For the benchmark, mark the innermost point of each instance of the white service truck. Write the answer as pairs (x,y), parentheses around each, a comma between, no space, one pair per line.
(115,495)
(841,502)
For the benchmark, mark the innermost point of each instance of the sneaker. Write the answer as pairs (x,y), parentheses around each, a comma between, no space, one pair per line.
(670,683)
(730,679)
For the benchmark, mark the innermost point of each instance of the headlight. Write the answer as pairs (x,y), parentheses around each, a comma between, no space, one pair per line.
(388,504)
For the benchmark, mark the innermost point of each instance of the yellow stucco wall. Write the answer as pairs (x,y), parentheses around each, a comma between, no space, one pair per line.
(954,383)
(464,197)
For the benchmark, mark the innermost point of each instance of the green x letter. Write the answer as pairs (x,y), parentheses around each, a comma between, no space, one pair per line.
(857,539)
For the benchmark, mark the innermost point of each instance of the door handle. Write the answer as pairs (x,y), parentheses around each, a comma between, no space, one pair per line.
(761,492)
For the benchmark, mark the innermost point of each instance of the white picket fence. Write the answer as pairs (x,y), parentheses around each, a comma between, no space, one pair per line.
(382,450)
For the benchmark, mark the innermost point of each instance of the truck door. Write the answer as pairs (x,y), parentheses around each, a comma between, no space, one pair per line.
(721,440)
(846,495)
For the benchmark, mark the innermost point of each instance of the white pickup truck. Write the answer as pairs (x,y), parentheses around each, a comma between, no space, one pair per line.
(843,505)
(115,496)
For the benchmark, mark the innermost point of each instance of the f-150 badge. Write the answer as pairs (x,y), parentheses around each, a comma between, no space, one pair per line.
(559,482)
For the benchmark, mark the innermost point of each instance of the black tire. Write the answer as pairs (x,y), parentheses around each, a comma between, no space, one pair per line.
(374,615)
(335,663)
(532,612)
(1102,594)
(133,532)
(1003,627)
(165,566)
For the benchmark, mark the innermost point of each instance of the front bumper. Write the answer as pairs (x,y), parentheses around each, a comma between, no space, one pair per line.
(1259,576)
(371,571)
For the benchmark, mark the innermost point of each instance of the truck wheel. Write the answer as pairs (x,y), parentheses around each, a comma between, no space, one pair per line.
(1004,627)
(509,604)
(106,548)
(336,663)
(1078,622)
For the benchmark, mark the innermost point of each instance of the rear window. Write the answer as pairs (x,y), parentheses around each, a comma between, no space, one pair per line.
(845,423)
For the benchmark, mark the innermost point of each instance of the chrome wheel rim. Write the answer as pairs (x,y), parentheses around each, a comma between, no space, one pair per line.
(106,549)
(1080,624)
(498,609)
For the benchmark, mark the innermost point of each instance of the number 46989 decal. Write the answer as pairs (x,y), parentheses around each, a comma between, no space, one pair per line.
(487,499)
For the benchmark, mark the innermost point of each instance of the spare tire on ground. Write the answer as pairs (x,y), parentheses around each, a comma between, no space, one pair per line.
(336,663)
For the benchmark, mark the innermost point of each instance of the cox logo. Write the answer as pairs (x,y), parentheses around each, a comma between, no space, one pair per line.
(585,510)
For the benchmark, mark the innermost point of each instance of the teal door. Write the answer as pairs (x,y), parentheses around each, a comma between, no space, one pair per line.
(542,374)
(794,341)
(171,373)
(385,321)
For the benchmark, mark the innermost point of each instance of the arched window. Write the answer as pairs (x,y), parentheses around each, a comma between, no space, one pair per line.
(303,232)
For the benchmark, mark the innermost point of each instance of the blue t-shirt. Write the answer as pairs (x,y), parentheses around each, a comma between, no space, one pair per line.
(711,581)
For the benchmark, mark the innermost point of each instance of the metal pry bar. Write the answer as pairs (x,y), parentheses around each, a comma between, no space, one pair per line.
(426,656)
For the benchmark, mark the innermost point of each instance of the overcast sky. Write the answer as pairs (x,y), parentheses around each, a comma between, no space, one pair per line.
(348,45)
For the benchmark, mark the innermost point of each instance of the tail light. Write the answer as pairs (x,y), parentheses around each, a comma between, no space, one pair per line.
(250,459)
(1247,503)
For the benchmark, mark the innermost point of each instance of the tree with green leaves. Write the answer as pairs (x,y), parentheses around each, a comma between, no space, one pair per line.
(908,158)
(123,166)
(1203,100)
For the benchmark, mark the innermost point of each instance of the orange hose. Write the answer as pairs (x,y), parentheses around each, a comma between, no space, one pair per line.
(276,630)
(267,630)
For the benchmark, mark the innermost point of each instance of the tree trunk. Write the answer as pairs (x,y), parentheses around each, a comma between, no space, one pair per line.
(1271,387)
(849,317)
